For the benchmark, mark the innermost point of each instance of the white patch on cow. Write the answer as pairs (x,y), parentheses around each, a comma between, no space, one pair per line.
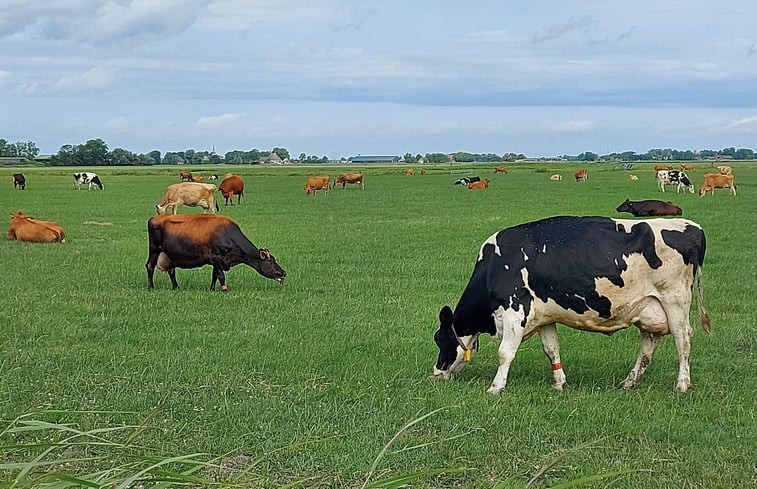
(507,267)
(525,256)
(508,322)
(544,248)
(492,240)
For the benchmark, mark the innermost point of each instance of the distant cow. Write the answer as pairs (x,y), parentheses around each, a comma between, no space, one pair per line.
(649,208)
(480,185)
(687,167)
(662,168)
(591,273)
(500,169)
(633,178)
(230,186)
(194,240)
(345,178)
(198,178)
(87,178)
(185,176)
(467,180)
(409,172)
(725,170)
(19,181)
(556,177)
(581,175)
(213,177)
(712,181)
(423,171)
(673,177)
(190,194)
(26,228)
(314,184)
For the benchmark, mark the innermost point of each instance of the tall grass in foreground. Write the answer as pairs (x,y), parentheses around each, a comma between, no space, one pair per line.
(42,454)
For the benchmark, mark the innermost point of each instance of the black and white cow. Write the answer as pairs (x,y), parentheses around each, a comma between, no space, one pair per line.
(591,273)
(673,177)
(19,181)
(467,180)
(85,178)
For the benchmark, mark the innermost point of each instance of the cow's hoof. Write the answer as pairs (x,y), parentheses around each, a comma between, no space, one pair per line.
(627,385)
(558,387)
(224,288)
(681,386)
(494,390)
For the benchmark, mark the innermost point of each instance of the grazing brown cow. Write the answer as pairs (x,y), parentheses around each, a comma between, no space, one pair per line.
(194,240)
(25,228)
(480,185)
(345,178)
(231,185)
(646,208)
(185,176)
(661,168)
(409,172)
(190,194)
(198,178)
(725,170)
(633,178)
(317,183)
(500,169)
(19,181)
(687,167)
(581,175)
(713,181)
(556,177)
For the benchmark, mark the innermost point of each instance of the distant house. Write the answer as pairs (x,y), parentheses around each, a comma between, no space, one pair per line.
(13,160)
(43,158)
(373,159)
(271,159)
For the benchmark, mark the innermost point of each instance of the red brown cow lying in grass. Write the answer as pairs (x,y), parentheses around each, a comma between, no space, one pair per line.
(481,184)
(194,240)
(25,228)
(646,208)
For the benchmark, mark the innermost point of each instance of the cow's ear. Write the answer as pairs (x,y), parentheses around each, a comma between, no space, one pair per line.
(445,317)
(265,254)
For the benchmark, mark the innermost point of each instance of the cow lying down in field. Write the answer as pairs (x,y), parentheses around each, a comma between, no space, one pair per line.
(590,273)
(26,228)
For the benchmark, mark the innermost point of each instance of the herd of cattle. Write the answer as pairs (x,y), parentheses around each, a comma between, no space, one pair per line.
(590,273)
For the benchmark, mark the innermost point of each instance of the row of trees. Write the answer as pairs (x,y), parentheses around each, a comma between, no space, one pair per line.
(95,152)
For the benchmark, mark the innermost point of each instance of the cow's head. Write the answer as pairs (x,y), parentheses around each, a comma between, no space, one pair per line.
(684,179)
(451,355)
(626,206)
(160,209)
(266,266)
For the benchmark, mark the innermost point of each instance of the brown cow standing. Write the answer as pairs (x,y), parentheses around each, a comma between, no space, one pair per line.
(345,178)
(190,194)
(25,228)
(581,175)
(725,170)
(713,181)
(317,183)
(480,185)
(231,185)
(185,176)
(409,172)
(500,169)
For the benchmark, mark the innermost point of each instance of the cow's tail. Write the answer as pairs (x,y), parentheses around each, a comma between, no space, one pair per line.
(704,318)
(218,209)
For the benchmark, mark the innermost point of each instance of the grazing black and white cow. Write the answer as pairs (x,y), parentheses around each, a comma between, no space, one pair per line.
(19,181)
(467,180)
(591,273)
(673,177)
(85,178)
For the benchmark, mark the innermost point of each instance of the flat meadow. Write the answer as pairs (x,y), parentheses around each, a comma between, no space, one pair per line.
(323,381)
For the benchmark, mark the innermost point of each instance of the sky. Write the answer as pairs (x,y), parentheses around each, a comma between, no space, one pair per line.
(339,78)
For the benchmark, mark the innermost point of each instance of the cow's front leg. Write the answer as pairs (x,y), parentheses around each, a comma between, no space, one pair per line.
(150,266)
(509,323)
(649,342)
(220,276)
(551,347)
(172,275)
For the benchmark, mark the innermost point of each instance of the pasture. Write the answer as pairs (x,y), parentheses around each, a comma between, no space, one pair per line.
(307,382)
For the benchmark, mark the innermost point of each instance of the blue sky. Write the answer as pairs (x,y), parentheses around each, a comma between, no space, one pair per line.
(339,78)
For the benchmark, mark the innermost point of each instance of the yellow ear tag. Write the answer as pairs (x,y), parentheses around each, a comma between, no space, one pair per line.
(466,355)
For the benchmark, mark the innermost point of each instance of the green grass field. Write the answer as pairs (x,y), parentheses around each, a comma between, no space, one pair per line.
(308,381)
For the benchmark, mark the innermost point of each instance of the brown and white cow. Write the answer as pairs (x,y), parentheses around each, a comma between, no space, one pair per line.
(662,168)
(532,276)
(480,185)
(409,172)
(185,176)
(633,178)
(687,167)
(194,240)
(500,169)
(190,194)
(26,228)
(725,170)
(314,184)
(232,185)
(19,181)
(556,177)
(581,175)
(345,178)
(713,180)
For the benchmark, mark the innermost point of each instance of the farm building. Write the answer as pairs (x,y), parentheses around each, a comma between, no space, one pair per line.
(373,159)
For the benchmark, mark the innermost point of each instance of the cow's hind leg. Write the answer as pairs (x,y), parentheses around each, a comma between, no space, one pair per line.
(509,323)
(150,266)
(681,330)
(551,346)
(172,275)
(649,342)
(219,276)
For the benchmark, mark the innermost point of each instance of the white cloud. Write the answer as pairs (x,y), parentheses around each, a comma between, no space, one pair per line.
(572,125)
(217,121)
(118,125)
(5,77)
(95,79)
(240,14)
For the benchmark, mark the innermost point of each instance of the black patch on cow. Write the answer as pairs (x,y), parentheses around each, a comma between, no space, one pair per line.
(96,181)
(563,257)
(689,243)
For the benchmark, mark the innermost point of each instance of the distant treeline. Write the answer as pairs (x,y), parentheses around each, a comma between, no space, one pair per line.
(95,152)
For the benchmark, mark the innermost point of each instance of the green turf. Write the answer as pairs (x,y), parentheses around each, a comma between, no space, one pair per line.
(314,377)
